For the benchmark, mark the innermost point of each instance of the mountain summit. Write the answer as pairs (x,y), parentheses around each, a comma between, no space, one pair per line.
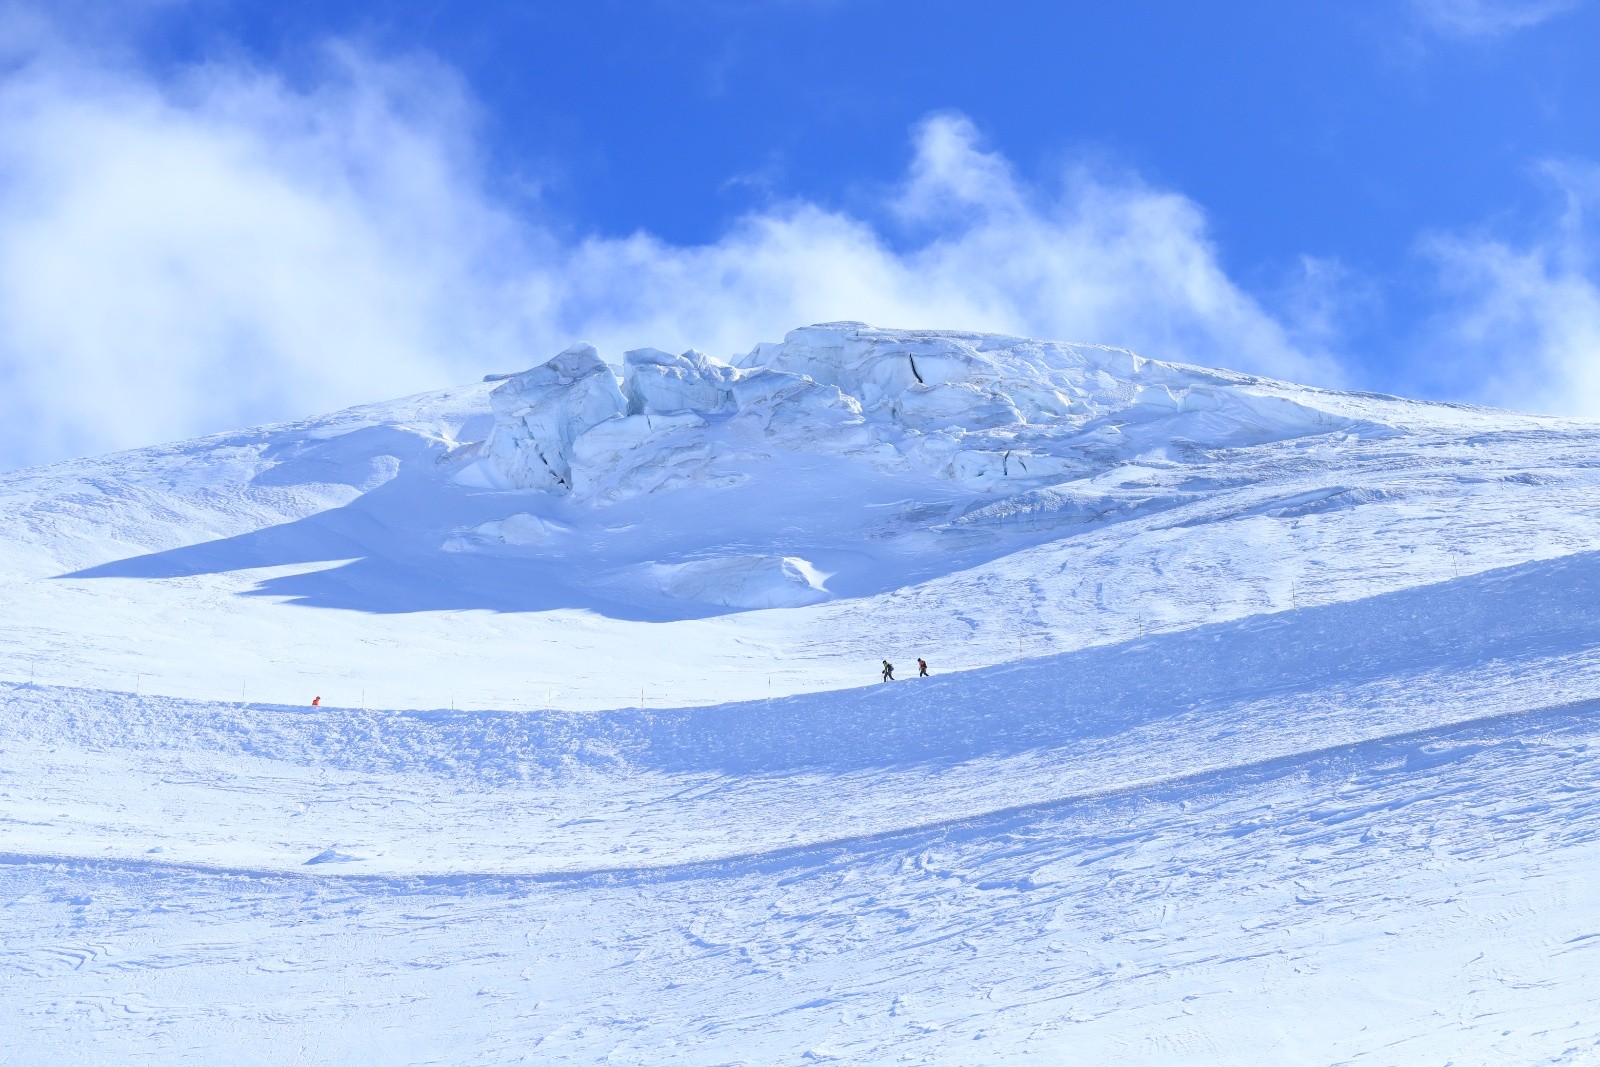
(1253,709)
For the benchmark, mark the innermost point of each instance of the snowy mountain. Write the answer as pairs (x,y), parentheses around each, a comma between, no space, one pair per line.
(1258,729)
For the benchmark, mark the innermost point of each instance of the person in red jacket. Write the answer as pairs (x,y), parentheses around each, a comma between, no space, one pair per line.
(316,702)
(922,667)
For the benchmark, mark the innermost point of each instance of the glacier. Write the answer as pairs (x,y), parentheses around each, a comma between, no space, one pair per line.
(984,411)
(1261,726)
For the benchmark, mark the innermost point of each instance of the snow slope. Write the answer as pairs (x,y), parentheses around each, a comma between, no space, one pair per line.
(1260,727)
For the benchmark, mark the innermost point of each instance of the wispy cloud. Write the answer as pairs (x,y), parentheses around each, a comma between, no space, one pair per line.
(1088,259)
(178,258)
(1523,317)
(183,256)
(1487,18)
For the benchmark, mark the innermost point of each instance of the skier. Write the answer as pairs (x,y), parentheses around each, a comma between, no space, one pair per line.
(888,671)
(316,702)
(922,667)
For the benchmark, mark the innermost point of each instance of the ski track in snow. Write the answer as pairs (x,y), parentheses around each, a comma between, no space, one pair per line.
(1263,745)
(1414,882)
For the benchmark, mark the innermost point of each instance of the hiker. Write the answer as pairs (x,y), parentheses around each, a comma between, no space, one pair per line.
(888,671)
(922,667)
(316,702)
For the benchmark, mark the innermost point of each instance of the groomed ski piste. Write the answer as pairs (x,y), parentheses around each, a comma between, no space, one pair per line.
(1262,726)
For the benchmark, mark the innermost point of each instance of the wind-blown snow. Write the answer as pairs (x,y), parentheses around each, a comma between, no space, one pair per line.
(1261,724)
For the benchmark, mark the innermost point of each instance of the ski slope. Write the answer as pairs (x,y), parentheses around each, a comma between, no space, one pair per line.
(1259,732)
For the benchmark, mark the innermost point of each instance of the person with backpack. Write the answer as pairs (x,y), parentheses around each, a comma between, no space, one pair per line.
(922,667)
(888,671)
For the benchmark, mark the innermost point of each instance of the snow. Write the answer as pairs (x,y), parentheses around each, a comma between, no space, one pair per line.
(744,581)
(1261,726)
(980,410)
(659,382)
(539,414)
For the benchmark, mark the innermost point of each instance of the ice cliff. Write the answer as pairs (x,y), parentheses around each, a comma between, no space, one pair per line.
(988,412)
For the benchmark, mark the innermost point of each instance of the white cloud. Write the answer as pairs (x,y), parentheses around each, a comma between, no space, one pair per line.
(182,257)
(1487,18)
(1525,316)
(1091,260)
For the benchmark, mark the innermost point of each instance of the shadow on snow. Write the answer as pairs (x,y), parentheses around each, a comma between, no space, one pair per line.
(1515,614)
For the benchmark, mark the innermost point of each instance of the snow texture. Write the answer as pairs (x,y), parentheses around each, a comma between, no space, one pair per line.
(540,413)
(744,581)
(1261,730)
(983,411)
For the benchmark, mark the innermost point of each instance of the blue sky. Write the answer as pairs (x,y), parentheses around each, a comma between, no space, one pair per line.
(216,213)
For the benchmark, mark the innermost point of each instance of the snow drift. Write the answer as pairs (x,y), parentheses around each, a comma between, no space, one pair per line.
(744,581)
